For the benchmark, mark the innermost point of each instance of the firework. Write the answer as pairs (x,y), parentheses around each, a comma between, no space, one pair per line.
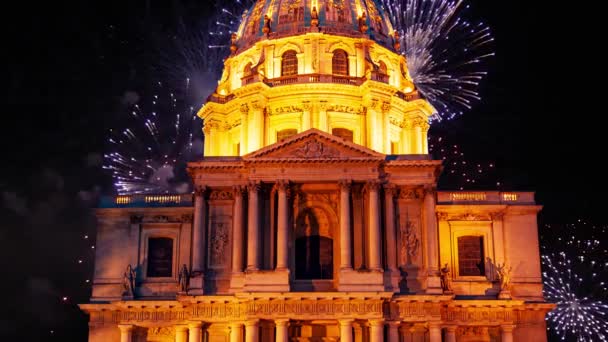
(445,53)
(149,154)
(459,172)
(575,272)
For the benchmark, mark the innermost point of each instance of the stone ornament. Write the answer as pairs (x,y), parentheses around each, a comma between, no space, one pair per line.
(410,244)
(128,283)
(183,279)
(316,149)
(504,277)
(446,280)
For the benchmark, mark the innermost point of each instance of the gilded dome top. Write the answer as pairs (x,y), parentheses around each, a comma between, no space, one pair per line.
(283,18)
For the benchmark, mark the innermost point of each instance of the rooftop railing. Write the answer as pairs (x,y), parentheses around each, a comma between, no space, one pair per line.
(484,197)
(144,201)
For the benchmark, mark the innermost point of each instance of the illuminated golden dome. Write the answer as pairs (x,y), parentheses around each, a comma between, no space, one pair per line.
(274,19)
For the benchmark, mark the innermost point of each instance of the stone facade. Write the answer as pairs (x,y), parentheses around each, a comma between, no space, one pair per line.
(315,214)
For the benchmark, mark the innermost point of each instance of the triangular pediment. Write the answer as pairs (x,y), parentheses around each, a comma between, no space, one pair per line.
(311,145)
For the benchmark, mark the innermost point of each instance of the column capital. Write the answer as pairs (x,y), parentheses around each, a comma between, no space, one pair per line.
(195,325)
(345,184)
(200,190)
(372,185)
(281,322)
(126,327)
(238,190)
(281,185)
(181,328)
(390,190)
(393,323)
(252,322)
(507,327)
(236,324)
(346,321)
(451,328)
(244,108)
(430,189)
(376,321)
(434,325)
(254,186)
(497,215)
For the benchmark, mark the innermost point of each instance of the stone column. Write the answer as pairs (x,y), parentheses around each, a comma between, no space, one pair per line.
(306,106)
(323,117)
(450,333)
(346,330)
(282,335)
(126,332)
(418,136)
(195,334)
(237,230)
(424,126)
(181,333)
(433,283)
(252,331)
(386,126)
(434,332)
(391,236)
(256,131)
(506,332)
(244,129)
(345,236)
(376,330)
(198,241)
(236,331)
(375,240)
(282,226)
(393,331)
(253,228)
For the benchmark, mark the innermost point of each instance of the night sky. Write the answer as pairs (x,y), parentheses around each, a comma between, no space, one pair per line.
(70,65)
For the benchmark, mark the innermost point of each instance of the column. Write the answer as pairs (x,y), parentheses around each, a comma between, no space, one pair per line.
(181,333)
(391,239)
(306,106)
(323,117)
(386,126)
(346,330)
(126,332)
(433,285)
(253,228)
(450,333)
(282,335)
(425,137)
(418,136)
(236,331)
(195,333)
(506,332)
(198,241)
(244,128)
(237,230)
(434,332)
(345,236)
(376,330)
(393,331)
(252,331)
(375,242)
(256,131)
(282,226)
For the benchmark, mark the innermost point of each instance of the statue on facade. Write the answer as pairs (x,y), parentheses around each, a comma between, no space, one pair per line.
(128,282)
(184,279)
(314,17)
(504,277)
(446,279)
(267,22)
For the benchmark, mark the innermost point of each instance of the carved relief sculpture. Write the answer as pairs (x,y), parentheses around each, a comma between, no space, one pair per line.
(184,279)
(446,280)
(128,283)
(504,277)
(219,241)
(410,244)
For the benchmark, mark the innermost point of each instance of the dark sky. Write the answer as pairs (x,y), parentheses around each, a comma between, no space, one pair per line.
(70,64)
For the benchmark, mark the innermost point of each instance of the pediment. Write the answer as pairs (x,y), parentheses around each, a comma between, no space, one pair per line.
(311,145)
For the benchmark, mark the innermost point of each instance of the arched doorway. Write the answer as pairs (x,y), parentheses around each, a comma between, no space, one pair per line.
(314,246)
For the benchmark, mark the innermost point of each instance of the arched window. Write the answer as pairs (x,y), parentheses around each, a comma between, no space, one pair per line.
(160,257)
(339,63)
(343,133)
(471,256)
(247,69)
(285,133)
(289,63)
(382,69)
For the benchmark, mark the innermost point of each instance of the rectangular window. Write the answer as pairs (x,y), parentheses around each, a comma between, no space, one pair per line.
(160,257)
(471,256)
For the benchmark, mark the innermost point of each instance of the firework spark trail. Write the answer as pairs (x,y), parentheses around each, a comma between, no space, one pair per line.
(148,156)
(575,278)
(459,172)
(445,53)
